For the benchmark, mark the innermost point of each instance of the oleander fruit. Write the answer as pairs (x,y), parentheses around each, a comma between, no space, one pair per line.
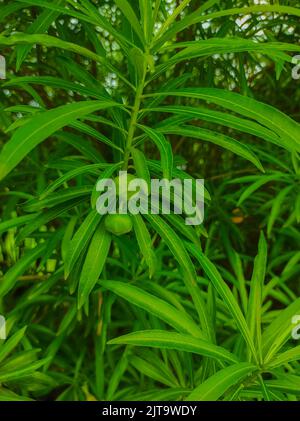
(118,224)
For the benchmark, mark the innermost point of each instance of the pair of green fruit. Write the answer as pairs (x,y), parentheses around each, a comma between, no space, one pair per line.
(119,224)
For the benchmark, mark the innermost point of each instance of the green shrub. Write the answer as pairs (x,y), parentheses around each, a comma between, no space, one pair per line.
(161,310)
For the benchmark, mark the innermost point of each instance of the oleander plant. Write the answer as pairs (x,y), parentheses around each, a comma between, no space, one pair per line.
(146,307)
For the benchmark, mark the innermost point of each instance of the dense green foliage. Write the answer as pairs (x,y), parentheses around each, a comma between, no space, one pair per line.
(150,308)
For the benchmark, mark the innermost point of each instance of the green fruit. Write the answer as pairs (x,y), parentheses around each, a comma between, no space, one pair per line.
(118,224)
(117,181)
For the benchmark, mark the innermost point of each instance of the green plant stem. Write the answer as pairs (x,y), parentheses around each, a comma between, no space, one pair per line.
(134,118)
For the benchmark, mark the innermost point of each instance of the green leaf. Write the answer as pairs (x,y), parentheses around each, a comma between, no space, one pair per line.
(90,131)
(285,357)
(163,339)
(289,384)
(154,305)
(165,150)
(146,19)
(137,60)
(49,41)
(53,199)
(226,295)
(40,127)
(210,47)
(20,372)
(40,25)
(156,373)
(67,319)
(277,207)
(287,129)
(117,375)
(10,278)
(94,263)
(9,396)
(218,139)
(15,222)
(10,344)
(80,240)
(254,313)
(145,242)
(130,15)
(218,117)
(172,17)
(140,165)
(42,218)
(198,16)
(178,250)
(279,331)
(107,173)
(217,385)
(84,169)
(56,82)
(187,230)
(261,181)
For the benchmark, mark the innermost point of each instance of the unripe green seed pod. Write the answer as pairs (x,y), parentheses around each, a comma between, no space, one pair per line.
(117,181)
(118,224)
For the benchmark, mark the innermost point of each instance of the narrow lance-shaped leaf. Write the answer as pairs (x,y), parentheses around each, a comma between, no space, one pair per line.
(279,331)
(49,41)
(146,19)
(189,273)
(226,295)
(117,375)
(156,306)
(292,354)
(43,217)
(172,340)
(268,116)
(145,242)
(220,139)
(7,347)
(165,150)
(149,369)
(84,169)
(210,47)
(198,16)
(11,276)
(217,385)
(55,82)
(172,17)
(40,127)
(94,263)
(80,240)
(130,15)
(90,131)
(218,117)
(255,297)
(140,164)
(40,25)
(72,193)
(261,181)
(277,206)
(22,371)
(15,222)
